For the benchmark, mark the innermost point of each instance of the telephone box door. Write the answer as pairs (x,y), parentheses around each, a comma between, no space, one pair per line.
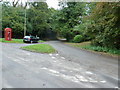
(8,34)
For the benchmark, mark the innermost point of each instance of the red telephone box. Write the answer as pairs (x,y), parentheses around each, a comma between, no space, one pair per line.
(8,34)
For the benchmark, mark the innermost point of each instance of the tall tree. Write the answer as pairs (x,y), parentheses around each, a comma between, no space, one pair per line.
(38,17)
(102,25)
(68,17)
(13,17)
(106,26)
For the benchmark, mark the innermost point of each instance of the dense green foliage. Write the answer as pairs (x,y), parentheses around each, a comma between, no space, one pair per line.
(103,25)
(40,48)
(91,21)
(67,18)
(13,17)
(106,25)
(102,49)
(78,38)
(35,19)
(88,46)
(37,16)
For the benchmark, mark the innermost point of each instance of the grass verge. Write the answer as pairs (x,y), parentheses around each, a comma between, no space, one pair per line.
(16,41)
(88,46)
(41,41)
(40,48)
(13,40)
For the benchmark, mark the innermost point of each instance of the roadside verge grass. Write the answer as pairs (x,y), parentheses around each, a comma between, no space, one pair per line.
(16,41)
(13,40)
(40,48)
(41,41)
(88,46)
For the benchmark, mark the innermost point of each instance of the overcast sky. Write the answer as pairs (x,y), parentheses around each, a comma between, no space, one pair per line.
(54,3)
(51,3)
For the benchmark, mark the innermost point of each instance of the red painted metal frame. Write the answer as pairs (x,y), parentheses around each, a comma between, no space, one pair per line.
(8,34)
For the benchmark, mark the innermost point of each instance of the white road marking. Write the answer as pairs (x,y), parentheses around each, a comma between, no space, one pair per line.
(91,80)
(57,54)
(81,78)
(62,57)
(103,81)
(53,57)
(56,73)
(76,78)
(44,68)
(88,72)
(50,54)
(53,71)
(72,78)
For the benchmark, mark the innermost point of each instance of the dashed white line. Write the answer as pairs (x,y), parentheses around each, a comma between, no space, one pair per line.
(57,54)
(88,72)
(91,80)
(81,78)
(53,57)
(103,81)
(53,71)
(44,68)
(62,57)
(50,54)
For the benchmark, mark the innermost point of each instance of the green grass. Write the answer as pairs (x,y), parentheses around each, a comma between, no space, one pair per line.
(40,48)
(13,40)
(88,46)
(102,49)
(41,41)
(16,41)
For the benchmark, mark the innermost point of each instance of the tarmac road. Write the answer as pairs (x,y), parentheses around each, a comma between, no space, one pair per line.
(69,68)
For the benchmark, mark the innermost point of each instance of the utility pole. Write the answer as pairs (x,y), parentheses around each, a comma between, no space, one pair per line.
(25,23)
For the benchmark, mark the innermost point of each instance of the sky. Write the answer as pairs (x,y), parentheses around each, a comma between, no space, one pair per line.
(54,3)
(51,3)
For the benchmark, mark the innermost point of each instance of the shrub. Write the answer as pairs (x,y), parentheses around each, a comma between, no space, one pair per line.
(78,38)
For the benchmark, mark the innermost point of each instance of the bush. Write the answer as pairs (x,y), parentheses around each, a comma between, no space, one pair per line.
(102,49)
(105,27)
(78,39)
